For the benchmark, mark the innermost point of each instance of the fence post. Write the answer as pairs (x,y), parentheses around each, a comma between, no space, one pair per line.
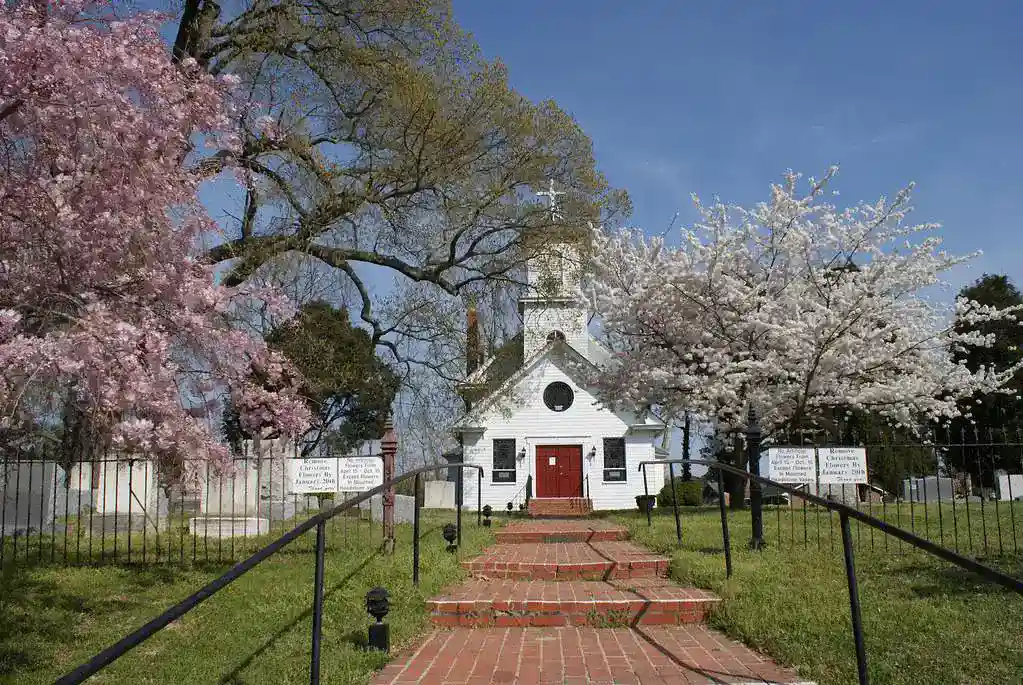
(646,492)
(755,494)
(459,495)
(415,532)
(321,543)
(854,600)
(724,525)
(389,447)
(674,503)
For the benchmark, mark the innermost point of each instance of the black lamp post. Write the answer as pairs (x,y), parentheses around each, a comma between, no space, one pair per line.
(755,494)
(450,534)
(488,511)
(378,606)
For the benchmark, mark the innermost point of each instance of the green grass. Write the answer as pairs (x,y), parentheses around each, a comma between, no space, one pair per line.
(925,620)
(257,630)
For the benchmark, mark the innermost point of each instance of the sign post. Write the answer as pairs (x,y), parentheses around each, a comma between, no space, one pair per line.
(389,447)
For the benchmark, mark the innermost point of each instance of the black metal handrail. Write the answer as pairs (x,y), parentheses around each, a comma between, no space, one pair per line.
(140,635)
(845,512)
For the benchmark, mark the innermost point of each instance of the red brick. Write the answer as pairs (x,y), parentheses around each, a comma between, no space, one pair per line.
(582,655)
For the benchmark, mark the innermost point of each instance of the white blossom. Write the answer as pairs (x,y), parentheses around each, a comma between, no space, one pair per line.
(789,306)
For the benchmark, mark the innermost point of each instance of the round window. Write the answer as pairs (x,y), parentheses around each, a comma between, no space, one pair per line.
(558,396)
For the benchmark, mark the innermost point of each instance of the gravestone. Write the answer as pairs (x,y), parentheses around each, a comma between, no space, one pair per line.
(928,489)
(404,508)
(1008,486)
(440,494)
(230,502)
(29,496)
(125,497)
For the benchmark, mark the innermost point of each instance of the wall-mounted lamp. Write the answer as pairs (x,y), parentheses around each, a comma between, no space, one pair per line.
(522,453)
(593,452)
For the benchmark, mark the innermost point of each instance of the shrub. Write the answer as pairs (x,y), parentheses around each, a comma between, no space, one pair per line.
(689,494)
(645,502)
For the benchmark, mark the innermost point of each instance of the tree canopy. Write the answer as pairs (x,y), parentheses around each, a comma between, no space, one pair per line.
(106,319)
(347,387)
(377,135)
(994,420)
(760,306)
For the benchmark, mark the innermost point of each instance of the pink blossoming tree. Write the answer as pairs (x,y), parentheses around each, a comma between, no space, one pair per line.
(792,306)
(106,319)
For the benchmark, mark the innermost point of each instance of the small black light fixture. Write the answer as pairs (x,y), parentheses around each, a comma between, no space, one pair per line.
(488,511)
(510,506)
(593,452)
(522,453)
(378,606)
(450,533)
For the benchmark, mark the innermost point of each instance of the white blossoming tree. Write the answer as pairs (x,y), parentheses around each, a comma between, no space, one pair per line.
(793,307)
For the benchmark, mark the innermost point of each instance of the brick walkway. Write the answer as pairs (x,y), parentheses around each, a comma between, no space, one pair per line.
(580,655)
(527,618)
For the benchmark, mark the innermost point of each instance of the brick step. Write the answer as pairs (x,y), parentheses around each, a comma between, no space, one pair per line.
(691,654)
(568,561)
(560,530)
(560,506)
(612,604)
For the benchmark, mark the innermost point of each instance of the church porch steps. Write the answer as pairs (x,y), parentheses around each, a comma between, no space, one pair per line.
(560,506)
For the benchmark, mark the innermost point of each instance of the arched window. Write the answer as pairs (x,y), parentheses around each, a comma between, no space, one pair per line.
(558,396)
(555,335)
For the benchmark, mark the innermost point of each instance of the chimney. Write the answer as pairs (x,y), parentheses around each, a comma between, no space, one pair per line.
(473,350)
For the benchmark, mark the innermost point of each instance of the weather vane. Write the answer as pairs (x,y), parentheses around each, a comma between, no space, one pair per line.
(553,196)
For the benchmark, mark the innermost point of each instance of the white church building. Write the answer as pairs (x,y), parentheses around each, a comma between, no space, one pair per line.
(532,417)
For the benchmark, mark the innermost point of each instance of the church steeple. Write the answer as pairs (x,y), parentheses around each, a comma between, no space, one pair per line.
(551,309)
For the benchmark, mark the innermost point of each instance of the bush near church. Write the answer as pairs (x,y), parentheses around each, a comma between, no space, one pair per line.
(688,493)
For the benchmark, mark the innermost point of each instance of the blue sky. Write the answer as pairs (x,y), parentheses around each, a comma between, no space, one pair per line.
(723,97)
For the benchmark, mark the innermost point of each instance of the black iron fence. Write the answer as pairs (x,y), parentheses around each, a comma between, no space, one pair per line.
(866,514)
(376,599)
(124,509)
(961,490)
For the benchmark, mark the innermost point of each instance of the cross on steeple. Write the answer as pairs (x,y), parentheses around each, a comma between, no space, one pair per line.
(553,196)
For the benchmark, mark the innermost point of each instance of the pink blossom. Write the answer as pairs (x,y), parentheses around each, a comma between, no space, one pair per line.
(98,216)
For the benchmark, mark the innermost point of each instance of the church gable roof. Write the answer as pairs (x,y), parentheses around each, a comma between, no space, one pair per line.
(575,368)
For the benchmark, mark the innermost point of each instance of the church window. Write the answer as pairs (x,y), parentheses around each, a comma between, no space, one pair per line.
(558,396)
(504,461)
(555,335)
(614,459)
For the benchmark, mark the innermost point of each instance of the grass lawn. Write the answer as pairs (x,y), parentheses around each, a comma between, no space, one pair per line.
(924,620)
(257,630)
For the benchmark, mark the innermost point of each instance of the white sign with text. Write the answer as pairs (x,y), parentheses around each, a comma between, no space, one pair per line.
(842,465)
(347,474)
(791,464)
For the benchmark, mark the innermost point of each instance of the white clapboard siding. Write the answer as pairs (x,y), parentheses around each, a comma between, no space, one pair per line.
(522,415)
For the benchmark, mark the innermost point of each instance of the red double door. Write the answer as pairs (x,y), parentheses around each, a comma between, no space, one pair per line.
(559,471)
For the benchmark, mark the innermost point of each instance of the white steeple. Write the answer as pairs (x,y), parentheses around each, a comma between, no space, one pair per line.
(551,308)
